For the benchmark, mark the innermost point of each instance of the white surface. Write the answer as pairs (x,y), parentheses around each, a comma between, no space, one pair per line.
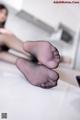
(53,14)
(22,101)
(25,30)
(17,4)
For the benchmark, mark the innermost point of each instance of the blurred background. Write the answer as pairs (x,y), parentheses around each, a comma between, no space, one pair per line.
(44,20)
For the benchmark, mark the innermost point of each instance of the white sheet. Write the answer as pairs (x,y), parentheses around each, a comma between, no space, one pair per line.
(22,101)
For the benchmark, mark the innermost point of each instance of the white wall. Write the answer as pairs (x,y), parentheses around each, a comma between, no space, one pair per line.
(25,30)
(14,3)
(77,63)
(54,13)
(49,12)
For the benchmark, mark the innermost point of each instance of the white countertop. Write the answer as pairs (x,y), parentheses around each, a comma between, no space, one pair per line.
(22,101)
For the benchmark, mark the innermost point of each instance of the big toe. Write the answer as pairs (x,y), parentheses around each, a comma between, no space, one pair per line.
(52,64)
(52,80)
